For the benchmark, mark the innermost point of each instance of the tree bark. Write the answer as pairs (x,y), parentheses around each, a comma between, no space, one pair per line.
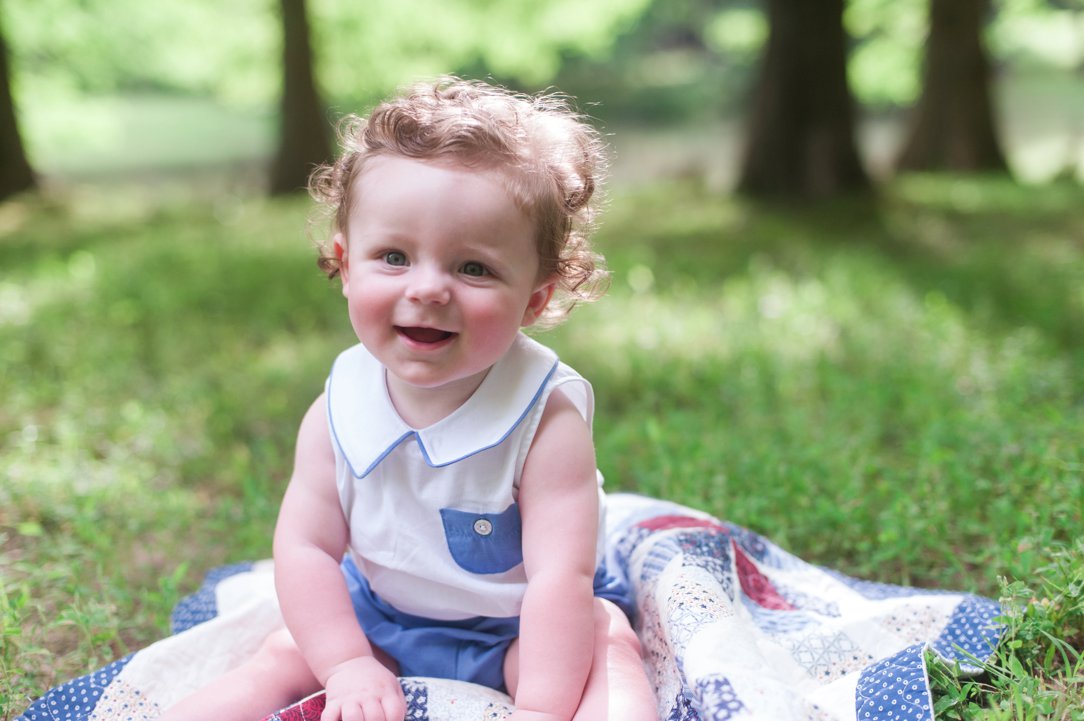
(303,135)
(952,127)
(800,141)
(16,175)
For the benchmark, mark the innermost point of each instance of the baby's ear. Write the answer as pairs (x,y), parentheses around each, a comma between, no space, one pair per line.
(540,298)
(344,263)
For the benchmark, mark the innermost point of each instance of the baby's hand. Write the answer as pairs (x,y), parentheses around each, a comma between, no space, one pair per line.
(363,689)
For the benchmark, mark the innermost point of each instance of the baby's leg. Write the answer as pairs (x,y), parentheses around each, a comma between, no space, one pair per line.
(617,687)
(275,676)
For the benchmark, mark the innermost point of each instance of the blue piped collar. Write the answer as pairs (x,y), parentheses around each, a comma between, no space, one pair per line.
(366,427)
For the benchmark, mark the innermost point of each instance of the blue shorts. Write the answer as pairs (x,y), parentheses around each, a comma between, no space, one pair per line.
(472,649)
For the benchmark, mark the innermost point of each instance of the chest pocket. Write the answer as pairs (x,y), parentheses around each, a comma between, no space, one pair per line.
(484,543)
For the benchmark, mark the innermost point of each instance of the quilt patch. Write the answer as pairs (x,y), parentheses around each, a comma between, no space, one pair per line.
(733,629)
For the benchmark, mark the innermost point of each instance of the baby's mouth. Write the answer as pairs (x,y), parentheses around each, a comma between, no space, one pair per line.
(424,335)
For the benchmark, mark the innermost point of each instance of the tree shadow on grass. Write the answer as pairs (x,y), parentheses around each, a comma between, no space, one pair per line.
(1008,255)
(884,386)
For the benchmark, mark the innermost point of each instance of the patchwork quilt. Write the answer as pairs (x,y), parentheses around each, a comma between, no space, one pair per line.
(732,627)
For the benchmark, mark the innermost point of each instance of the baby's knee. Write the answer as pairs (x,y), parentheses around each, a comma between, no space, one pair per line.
(280,658)
(618,688)
(613,630)
(279,645)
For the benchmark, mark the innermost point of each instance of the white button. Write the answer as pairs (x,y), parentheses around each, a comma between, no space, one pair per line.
(483,527)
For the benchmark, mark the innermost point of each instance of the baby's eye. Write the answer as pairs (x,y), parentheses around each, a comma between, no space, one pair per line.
(474,269)
(394,257)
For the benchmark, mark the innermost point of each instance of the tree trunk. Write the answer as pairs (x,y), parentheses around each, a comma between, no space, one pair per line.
(801,133)
(303,135)
(952,127)
(16,174)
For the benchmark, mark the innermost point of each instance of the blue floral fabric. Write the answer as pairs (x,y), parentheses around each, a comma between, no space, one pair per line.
(733,629)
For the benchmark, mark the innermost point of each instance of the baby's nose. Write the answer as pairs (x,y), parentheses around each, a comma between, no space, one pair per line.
(428,285)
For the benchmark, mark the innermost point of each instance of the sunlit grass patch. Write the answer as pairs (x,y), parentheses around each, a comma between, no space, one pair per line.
(892,390)
(831,392)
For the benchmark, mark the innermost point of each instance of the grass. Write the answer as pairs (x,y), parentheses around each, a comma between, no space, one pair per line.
(894,390)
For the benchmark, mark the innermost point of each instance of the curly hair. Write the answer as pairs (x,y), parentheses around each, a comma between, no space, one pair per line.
(551,160)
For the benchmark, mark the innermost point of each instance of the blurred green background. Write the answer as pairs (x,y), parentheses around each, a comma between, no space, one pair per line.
(884,374)
(121,86)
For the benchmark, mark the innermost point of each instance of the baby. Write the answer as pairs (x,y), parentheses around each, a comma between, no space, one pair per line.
(444,514)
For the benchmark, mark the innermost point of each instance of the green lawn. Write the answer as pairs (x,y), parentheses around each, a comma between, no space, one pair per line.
(895,390)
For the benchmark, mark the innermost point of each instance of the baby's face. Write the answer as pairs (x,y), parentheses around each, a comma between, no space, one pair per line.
(440,271)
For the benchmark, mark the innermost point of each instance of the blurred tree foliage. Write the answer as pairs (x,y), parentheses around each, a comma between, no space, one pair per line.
(697,58)
(64,47)
(654,59)
(886,60)
(634,60)
(683,59)
(231,48)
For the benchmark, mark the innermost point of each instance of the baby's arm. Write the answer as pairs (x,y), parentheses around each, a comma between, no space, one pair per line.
(310,539)
(559,504)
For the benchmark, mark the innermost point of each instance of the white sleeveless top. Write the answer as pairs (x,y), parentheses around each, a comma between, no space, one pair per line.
(434,524)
